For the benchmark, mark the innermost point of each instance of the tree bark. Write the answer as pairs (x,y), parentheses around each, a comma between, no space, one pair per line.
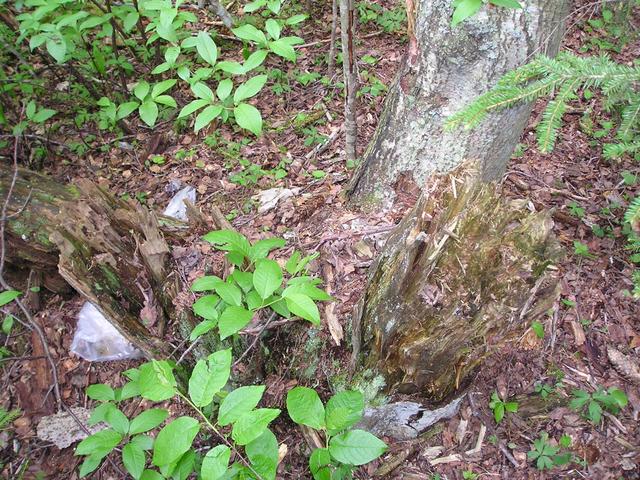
(461,276)
(111,251)
(444,69)
(349,65)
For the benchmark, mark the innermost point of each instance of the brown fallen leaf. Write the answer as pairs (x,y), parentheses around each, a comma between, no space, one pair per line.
(335,329)
(624,365)
(578,333)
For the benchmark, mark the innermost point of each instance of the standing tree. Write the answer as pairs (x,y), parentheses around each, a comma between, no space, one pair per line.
(445,68)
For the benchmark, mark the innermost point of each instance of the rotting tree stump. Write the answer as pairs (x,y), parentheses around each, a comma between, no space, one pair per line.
(112,251)
(462,275)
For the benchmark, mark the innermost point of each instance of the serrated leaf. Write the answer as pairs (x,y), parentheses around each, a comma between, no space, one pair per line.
(240,401)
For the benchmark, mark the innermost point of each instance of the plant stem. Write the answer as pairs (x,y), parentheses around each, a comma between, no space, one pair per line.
(217,432)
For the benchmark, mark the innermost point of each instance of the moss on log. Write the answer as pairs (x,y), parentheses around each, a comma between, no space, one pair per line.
(460,276)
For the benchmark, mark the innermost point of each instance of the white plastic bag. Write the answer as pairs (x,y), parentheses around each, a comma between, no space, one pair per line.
(96,340)
(177,208)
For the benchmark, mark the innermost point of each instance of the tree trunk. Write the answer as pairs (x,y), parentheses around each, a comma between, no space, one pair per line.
(463,274)
(111,251)
(445,69)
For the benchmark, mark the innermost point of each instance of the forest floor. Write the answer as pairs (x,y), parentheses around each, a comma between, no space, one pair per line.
(587,194)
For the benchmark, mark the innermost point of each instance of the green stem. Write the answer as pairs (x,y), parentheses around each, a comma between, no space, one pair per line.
(218,433)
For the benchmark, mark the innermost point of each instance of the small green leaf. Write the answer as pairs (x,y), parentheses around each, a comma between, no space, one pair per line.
(193,106)
(232,320)
(261,248)
(8,296)
(356,447)
(249,88)
(284,49)
(100,443)
(344,410)
(90,464)
(161,87)
(224,89)
(230,293)
(174,440)
(253,424)
(206,283)
(273,28)
(506,3)
(464,10)
(538,329)
(156,381)
(305,407)
(205,307)
(148,111)
(205,117)
(100,392)
(133,459)
(250,33)
(141,90)
(267,277)
(303,306)
(201,90)
(148,420)
(263,455)
(206,48)
(117,420)
(254,60)
(209,376)
(57,48)
(202,328)
(216,462)
(240,401)
(248,117)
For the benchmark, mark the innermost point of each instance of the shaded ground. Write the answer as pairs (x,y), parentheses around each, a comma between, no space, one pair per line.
(575,180)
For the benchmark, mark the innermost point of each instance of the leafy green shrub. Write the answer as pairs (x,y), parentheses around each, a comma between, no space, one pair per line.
(116,43)
(499,407)
(592,405)
(256,282)
(346,447)
(547,455)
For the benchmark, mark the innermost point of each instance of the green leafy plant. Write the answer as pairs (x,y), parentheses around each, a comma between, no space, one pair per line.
(499,407)
(592,405)
(632,228)
(256,283)
(546,455)
(345,448)
(469,475)
(582,250)
(464,9)
(561,79)
(171,449)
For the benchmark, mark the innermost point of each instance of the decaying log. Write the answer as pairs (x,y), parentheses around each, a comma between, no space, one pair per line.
(112,251)
(462,275)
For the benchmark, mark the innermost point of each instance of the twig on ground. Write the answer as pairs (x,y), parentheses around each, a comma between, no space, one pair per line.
(255,340)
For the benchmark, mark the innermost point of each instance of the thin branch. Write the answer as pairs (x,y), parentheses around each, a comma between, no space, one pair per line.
(255,340)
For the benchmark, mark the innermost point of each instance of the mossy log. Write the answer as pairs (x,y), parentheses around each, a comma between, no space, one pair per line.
(460,276)
(110,250)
